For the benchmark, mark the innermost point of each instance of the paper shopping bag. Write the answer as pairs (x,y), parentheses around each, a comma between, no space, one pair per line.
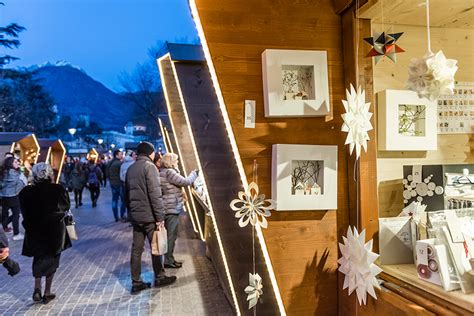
(159,243)
(71,231)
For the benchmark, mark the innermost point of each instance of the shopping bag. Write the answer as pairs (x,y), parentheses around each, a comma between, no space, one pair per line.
(71,231)
(159,243)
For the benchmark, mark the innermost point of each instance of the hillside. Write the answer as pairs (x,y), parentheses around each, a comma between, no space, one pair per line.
(76,93)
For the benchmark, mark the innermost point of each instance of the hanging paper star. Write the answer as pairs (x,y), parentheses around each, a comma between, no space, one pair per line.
(356,120)
(357,263)
(254,290)
(254,208)
(384,45)
(432,75)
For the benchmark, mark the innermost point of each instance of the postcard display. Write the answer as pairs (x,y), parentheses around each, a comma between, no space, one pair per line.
(456,112)
(435,230)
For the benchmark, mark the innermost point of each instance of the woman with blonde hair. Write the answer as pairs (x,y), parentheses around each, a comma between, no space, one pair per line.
(172,184)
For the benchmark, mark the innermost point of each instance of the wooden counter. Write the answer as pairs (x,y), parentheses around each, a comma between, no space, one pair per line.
(456,301)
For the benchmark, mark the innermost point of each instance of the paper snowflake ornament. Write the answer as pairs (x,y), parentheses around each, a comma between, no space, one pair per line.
(251,207)
(384,45)
(357,263)
(420,190)
(356,120)
(432,76)
(254,289)
(416,210)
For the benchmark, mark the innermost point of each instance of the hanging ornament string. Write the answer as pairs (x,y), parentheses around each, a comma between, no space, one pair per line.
(254,179)
(428,25)
(357,42)
(383,24)
(356,173)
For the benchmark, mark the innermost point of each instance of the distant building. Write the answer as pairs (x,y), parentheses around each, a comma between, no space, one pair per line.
(135,129)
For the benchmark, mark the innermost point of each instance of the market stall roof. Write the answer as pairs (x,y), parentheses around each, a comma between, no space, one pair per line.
(9,138)
(186,52)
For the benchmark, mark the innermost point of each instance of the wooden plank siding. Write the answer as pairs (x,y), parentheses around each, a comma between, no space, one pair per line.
(302,244)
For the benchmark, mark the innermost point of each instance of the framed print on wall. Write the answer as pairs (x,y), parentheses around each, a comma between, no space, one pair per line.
(406,122)
(295,83)
(304,177)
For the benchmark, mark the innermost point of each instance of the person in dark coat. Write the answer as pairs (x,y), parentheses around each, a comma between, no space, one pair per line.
(94,176)
(113,172)
(145,205)
(78,181)
(44,205)
(8,263)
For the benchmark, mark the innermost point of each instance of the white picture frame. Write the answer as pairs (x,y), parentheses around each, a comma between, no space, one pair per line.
(406,122)
(295,83)
(286,159)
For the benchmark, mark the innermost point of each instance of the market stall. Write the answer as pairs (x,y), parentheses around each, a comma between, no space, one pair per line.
(93,154)
(23,145)
(52,151)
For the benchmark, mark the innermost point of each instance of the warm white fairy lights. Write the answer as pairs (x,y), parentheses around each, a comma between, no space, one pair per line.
(235,150)
(192,207)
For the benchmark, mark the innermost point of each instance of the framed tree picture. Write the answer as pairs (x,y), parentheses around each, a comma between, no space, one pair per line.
(295,83)
(406,122)
(304,177)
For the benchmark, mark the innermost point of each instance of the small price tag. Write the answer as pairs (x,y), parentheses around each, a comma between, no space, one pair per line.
(249,113)
(416,173)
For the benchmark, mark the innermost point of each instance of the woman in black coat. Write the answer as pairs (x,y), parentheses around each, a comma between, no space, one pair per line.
(44,205)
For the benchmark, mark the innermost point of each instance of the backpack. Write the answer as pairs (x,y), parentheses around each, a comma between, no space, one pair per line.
(93,179)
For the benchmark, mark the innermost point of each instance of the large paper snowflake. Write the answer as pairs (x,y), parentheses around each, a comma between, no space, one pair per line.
(432,76)
(251,207)
(357,263)
(356,120)
(384,45)
(254,290)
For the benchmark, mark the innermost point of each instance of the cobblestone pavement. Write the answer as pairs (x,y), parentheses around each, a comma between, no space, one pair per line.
(94,275)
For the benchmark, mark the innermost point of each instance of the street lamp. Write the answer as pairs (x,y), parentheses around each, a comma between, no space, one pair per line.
(100,141)
(72,131)
(112,146)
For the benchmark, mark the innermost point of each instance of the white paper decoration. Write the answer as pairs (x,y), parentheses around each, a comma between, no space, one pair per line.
(254,290)
(357,263)
(432,75)
(356,120)
(251,207)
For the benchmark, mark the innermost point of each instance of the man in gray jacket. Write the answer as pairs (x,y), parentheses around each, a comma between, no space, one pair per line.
(145,205)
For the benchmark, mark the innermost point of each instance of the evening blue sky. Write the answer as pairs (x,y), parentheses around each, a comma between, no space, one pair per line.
(104,37)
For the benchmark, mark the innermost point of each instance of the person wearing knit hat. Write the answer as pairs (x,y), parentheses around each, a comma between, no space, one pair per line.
(144,201)
(145,149)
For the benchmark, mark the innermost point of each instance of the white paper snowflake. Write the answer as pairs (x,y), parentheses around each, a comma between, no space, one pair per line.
(356,120)
(432,75)
(357,263)
(254,290)
(251,207)
(416,210)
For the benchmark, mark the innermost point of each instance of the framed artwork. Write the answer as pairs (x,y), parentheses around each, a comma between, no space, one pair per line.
(295,83)
(304,177)
(406,122)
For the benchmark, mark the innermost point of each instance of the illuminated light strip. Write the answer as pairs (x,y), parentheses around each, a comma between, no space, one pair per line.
(211,209)
(47,154)
(230,134)
(169,148)
(37,147)
(168,105)
(63,156)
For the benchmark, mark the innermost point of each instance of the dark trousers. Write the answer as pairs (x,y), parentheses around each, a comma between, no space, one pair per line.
(118,193)
(171,224)
(11,203)
(140,232)
(78,196)
(95,192)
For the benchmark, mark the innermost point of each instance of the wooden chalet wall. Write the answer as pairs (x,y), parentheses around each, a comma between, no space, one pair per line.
(302,245)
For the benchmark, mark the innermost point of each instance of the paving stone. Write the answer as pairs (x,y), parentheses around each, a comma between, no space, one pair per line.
(94,275)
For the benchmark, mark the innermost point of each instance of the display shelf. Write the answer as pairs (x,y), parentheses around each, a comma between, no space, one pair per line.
(407,273)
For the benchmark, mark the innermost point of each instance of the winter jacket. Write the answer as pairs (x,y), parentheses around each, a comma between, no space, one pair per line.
(127,162)
(43,207)
(171,188)
(12,183)
(143,192)
(78,179)
(113,172)
(97,170)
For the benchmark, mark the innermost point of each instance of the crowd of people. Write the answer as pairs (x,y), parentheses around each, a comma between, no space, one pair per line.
(147,191)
